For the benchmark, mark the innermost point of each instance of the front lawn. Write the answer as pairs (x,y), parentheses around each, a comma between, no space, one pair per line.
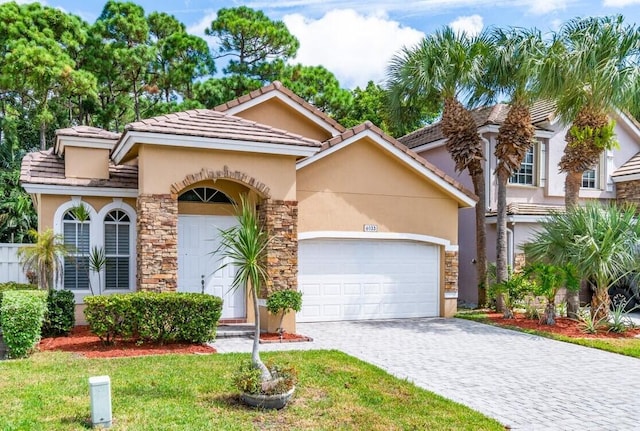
(623,346)
(49,391)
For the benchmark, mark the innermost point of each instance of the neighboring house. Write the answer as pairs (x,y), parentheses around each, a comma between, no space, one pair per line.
(362,226)
(537,188)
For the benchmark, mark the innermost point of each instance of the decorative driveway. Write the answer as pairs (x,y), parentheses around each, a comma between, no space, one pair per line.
(524,381)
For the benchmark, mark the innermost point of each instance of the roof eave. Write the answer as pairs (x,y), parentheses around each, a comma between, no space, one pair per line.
(132,138)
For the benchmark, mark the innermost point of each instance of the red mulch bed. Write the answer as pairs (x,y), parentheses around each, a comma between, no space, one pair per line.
(82,342)
(564,326)
(270,337)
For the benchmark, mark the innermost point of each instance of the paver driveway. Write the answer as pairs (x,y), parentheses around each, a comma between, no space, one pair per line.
(524,381)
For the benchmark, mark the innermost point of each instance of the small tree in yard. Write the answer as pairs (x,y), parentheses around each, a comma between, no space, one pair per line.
(547,281)
(513,290)
(45,257)
(599,241)
(245,247)
(283,301)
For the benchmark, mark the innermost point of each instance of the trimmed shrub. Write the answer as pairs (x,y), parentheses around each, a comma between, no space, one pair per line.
(13,286)
(22,316)
(60,317)
(167,317)
(154,317)
(110,316)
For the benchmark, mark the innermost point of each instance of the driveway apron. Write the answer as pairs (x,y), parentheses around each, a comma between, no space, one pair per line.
(524,381)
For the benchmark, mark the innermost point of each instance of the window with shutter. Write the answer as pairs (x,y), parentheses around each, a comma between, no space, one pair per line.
(117,250)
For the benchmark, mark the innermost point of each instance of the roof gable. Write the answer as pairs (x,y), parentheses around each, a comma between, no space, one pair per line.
(276,90)
(205,128)
(450,186)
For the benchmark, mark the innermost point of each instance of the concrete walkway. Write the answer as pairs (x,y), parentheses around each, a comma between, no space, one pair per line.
(525,382)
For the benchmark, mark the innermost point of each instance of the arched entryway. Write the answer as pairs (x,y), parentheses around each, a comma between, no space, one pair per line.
(204,210)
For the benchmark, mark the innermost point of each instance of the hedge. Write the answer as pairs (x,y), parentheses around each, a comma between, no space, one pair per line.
(11,286)
(21,320)
(154,317)
(60,318)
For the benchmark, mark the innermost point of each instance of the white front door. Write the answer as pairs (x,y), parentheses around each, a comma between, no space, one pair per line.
(358,279)
(198,238)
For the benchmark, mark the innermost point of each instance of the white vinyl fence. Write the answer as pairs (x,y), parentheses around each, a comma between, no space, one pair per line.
(10,268)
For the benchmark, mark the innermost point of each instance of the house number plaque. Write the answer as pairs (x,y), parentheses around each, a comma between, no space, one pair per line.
(370,228)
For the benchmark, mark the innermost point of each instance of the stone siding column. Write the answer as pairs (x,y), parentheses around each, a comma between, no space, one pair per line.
(451,272)
(280,221)
(157,245)
(628,192)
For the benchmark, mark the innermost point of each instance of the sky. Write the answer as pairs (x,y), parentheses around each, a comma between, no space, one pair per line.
(356,39)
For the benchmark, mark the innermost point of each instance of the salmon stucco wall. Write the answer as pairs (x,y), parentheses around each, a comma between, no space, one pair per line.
(160,167)
(48,204)
(362,184)
(281,116)
(86,162)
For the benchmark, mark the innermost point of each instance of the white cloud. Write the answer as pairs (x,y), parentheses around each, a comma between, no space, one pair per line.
(355,47)
(471,25)
(619,3)
(542,7)
(199,27)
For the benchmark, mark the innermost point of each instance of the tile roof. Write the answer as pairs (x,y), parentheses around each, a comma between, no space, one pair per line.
(523,208)
(44,167)
(541,111)
(88,132)
(630,167)
(367,125)
(277,86)
(207,123)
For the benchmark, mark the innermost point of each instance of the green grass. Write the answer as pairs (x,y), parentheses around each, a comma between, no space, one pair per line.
(623,346)
(49,391)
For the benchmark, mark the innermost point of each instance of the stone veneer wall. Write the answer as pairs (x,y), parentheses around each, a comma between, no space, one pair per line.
(450,271)
(280,220)
(157,245)
(628,192)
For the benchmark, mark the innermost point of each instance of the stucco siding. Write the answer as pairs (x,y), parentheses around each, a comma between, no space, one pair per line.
(361,184)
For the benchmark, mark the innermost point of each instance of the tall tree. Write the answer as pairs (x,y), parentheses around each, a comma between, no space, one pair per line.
(257,47)
(445,67)
(316,85)
(180,58)
(122,38)
(510,70)
(37,44)
(591,70)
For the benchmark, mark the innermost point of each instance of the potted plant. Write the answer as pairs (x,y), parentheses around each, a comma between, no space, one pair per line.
(283,301)
(244,246)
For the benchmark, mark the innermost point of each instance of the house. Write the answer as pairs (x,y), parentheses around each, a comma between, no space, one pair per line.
(537,189)
(364,227)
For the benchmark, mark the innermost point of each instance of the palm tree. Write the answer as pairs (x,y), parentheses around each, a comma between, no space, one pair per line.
(599,242)
(45,257)
(590,71)
(444,67)
(245,247)
(510,70)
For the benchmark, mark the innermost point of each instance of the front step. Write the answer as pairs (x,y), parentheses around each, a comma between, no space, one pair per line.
(236,330)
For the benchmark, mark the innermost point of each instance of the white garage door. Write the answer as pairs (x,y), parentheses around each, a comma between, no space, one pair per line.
(355,279)
(198,237)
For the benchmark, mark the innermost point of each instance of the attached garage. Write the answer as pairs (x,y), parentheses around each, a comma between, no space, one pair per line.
(358,279)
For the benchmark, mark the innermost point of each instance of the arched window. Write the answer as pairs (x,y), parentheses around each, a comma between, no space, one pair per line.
(76,229)
(206,195)
(117,250)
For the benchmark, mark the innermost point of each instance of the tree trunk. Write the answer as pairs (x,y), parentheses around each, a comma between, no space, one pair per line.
(600,303)
(255,353)
(481,235)
(43,135)
(572,186)
(502,273)
(550,313)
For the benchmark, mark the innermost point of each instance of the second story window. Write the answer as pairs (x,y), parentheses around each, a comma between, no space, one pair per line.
(589,179)
(526,174)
